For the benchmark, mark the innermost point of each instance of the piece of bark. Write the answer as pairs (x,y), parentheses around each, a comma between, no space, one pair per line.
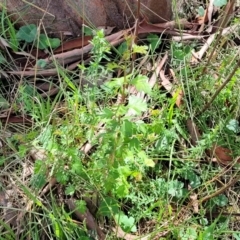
(63,18)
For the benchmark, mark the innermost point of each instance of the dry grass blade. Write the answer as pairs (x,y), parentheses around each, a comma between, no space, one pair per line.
(226,31)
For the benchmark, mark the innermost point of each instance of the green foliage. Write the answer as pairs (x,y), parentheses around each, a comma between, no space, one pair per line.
(233,125)
(2,59)
(4,104)
(136,105)
(180,51)
(154,41)
(201,11)
(41,63)
(29,34)
(219,3)
(221,200)
(87,31)
(100,48)
(45,42)
(176,189)
(189,233)
(127,223)
(8,31)
(81,206)
(141,84)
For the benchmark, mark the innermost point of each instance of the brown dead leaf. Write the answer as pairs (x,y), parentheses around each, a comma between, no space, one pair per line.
(168,86)
(165,81)
(17,119)
(222,154)
(194,202)
(179,97)
(38,154)
(201,20)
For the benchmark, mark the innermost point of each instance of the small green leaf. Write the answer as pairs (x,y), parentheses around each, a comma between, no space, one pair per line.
(22,151)
(209,231)
(136,105)
(221,200)
(127,223)
(38,180)
(175,189)
(134,143)
(77,167)
(70,190)
(45,42)
(233,126)
(141,84)
(145,159)
(149,162)
(237,236)
(62,177)
(154,41)
(107,113)
(180,52)
(56,227)
(190,233)
(27,33)
(87,31)
(140,49)
(115,83)
(81,206)
(219,3)
(2,59)
(2,161)
(54,42)
(39,166)
(194,179)
(4,104)
(127,129)
(42,42)
(108,207)
(201,11)
(112,65)
(41,63)
(121,188)
(122,48)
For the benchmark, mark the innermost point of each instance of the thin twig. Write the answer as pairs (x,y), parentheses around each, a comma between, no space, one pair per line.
(223,24)
(221,190)
(207,105)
